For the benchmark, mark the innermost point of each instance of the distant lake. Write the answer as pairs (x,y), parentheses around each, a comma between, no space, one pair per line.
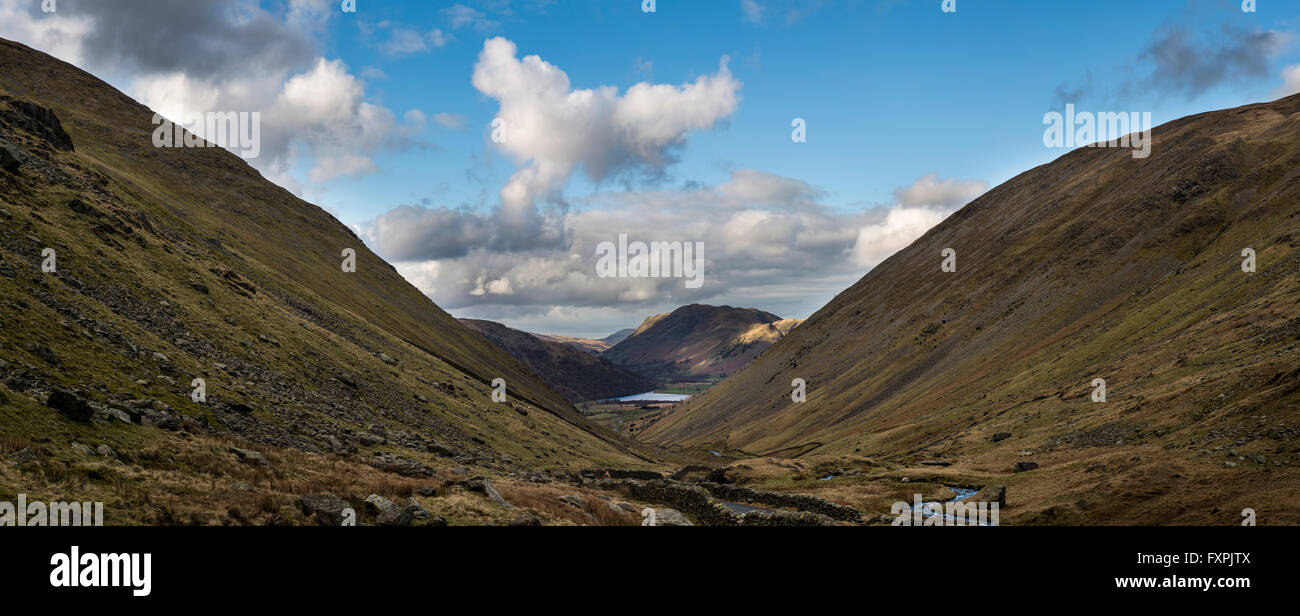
(653,396)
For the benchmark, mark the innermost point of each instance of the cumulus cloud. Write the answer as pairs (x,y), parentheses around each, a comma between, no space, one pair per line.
(217,55)
(932,191)
(1290,82)
(767,239)
(552,130)
(919,207)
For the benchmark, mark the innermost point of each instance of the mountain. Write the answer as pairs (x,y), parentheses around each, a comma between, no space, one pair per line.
(576,374)
(1098,265)
(618,336)
(589,345)
(181,263)
(698,341)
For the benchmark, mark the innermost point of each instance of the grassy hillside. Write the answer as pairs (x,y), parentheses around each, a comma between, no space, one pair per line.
(1095,266)
(182,263)
(698,341)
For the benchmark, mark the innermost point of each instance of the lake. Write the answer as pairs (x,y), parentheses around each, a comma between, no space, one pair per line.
(653,396)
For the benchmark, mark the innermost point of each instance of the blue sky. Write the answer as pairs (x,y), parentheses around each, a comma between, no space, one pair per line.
(910,113)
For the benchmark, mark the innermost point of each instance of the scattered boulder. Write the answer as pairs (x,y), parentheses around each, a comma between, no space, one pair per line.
(574,500)
(405,467)
(327,508)
(26,456)
(993,494)
(118,414)
(1025,466)
(83,208)
(1001,436)
(440,450)
(526,518)
(387,513)
(249,456)
(70,405)
(484,485)
(106,451)
(82,449)
(419,512)
(11,158)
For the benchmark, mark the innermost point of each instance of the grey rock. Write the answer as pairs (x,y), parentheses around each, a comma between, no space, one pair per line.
(387,513)
(574,500)
(484,485)
(1025,466)
(419,512)
(70,405)
(993,494)
(106,451)
(82,449)
(249,456)
(25,456)
(327,508)
(10,157)
(1001,436)
(526,519)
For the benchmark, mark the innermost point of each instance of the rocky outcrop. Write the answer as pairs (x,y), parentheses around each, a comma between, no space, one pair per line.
(327,509)
(10,157)
(37,120)
(70,405)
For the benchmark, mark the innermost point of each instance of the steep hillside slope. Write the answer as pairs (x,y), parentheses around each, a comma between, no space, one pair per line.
(182,263)
(576,374)
(1095,266)
(698,341)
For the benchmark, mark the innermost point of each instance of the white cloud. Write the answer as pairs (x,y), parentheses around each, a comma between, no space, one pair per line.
(920,206)
(406,41)
(315,115)
(1290,82)
(551,129)
(876,242)
(460,16)
(59,34)
(752,10)
(767,239)
(929,190)
(454,121)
